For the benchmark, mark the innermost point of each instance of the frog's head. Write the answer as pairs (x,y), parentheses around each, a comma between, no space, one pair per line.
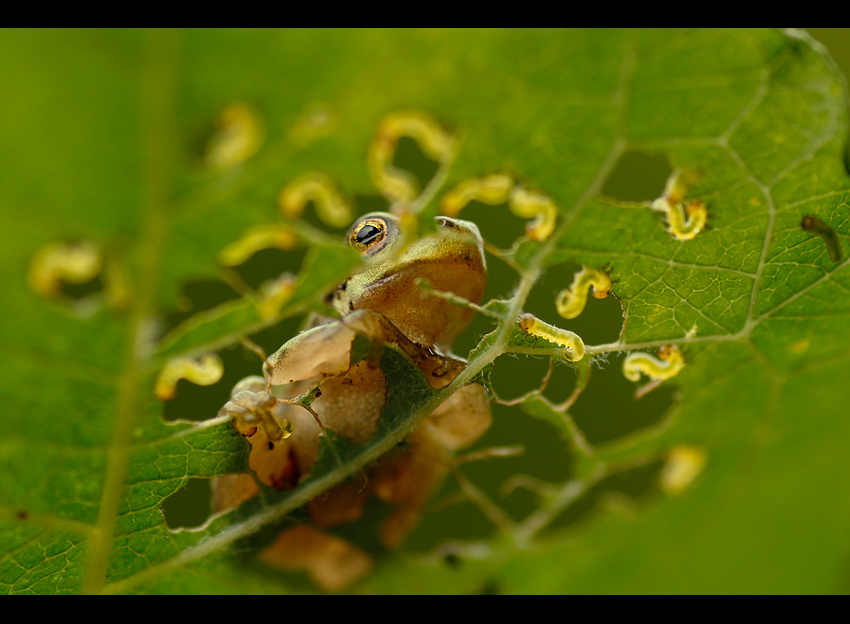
(450,260)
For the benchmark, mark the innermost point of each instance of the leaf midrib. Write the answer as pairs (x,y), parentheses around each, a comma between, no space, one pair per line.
(159,136)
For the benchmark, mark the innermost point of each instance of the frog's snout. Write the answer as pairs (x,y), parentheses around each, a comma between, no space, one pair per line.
(457,226)
(446,222)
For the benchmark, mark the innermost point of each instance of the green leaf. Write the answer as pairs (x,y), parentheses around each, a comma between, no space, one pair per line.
(102,136)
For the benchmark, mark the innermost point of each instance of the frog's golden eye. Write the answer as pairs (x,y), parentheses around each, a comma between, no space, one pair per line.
(369,234)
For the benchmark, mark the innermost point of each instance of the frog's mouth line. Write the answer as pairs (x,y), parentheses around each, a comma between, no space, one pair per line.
(416,265)
(471,256)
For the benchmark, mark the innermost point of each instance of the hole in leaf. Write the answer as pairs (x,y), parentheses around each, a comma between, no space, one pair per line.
(317,192)
(363,532)
(268,264)
(78,292)
(362,204)
(638,177)
(607,409)
(78,274)
(188,507)
(561,384)
(546,457)
(497,224)
(513,376)
(631,487)
(409,156)
(272,338)
(311,216)
(201,295)
(198,296)
(450,516)
(600,322)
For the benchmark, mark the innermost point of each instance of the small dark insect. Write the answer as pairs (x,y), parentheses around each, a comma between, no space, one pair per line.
(452,560)
(814,225)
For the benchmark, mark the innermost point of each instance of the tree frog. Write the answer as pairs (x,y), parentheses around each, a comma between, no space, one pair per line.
(384,301)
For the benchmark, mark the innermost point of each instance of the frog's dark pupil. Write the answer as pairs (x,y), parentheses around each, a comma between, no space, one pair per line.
(368,234)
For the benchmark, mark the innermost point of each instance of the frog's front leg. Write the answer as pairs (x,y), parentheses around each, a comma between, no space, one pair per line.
(284,436)
(313,355)
(326,351)
(253,407)
(268,424)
